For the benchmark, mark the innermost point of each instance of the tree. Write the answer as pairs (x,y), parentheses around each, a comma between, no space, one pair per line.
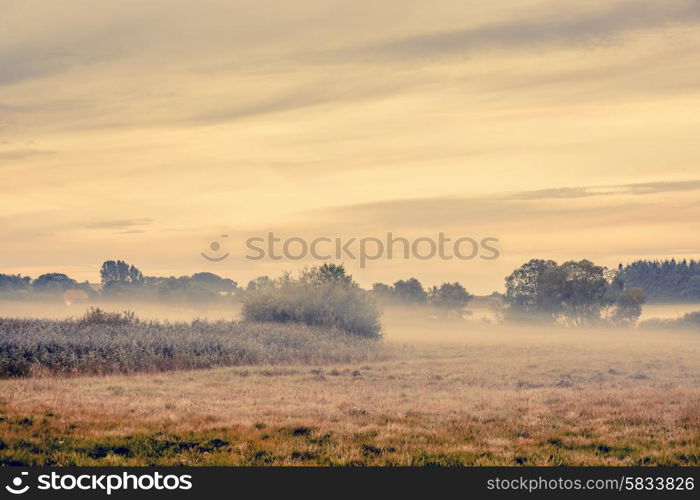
(576,293)
(328,273)
(583,292)
(628,306)
(450,298)
(383,293)
(10,282)
(534,289)
(259,283)
(119,272)
(664,281)
(214,282)
(53,282)
(182,289)
(381,288)
(410,291)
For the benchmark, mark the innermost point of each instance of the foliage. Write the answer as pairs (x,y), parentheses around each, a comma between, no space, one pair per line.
(451,298)
(410,291)
(259,282)
(10,282)
(576,293)
(324,296)
(215,283)
(664,281)
(113,272)
(96,316)
(53,282)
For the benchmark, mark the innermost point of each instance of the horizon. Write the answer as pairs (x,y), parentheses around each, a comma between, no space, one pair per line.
(242,283)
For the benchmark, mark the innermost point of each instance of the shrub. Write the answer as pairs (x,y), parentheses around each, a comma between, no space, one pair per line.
(323,296)
(96,316)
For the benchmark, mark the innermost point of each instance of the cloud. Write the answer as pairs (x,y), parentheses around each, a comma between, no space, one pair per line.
(526,210)
(585,192)
(124,224)
(19,154)
(553,28)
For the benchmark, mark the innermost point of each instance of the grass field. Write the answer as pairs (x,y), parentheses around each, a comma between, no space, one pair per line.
(451,393)
(105,343)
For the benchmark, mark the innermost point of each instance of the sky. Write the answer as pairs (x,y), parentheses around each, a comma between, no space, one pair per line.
(145,131)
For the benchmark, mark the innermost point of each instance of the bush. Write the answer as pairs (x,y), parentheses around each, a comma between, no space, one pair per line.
(323,296)
(96,316)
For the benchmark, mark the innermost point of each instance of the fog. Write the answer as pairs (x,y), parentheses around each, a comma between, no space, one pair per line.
(401,324)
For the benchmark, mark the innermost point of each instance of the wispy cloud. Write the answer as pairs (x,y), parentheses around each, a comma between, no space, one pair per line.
(19,154)
(551,28)
(530,209)
(585,192)
(124,224)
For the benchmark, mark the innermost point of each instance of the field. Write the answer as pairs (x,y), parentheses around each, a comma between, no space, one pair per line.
(105,343)
(448,393)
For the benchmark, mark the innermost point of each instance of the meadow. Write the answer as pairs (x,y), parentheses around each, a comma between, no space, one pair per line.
(444,392)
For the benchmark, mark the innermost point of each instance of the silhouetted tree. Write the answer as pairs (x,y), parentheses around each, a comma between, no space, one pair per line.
(10,282)
(328,273)
(534,289)
(577,293)
(53,282)
(664,281)
(583,292)
(120,272)
(451,298)
(214,282)
(628,306)
(410,291)
(258,283)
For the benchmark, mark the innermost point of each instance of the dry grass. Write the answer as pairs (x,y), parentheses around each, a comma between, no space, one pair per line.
(473,397)
(103,343)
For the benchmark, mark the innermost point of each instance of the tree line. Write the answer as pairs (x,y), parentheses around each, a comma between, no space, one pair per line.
(120,280)
(664,280)
(448,298)
(575,293)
